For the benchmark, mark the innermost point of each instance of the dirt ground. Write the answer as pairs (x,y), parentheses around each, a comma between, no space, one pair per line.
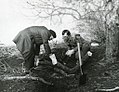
(99,75)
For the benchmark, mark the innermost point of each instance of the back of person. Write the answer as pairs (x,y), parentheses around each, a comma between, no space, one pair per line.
(39,33)
(28,42)
(37,29)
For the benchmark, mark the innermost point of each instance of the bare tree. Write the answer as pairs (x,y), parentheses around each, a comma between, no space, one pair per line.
(111,28)
(97,15)
(87,11)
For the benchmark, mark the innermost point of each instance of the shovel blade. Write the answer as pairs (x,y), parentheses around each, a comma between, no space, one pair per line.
(83,79)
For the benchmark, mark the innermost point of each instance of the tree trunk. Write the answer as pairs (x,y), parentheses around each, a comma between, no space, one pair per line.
(112,43)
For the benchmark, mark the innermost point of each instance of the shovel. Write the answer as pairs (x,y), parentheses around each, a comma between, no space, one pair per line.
(83,77)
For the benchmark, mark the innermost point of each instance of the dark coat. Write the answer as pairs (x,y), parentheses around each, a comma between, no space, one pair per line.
(26,39)
(72,44)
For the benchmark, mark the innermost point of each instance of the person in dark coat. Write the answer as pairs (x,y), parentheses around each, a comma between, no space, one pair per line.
(28,42)
(71,42)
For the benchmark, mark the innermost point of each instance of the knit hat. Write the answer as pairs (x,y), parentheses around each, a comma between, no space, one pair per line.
(53,33)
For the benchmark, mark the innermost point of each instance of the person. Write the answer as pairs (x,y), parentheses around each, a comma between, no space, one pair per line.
(28,42)
(71,42)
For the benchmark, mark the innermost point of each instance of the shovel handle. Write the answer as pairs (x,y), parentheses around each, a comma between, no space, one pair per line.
(79,55)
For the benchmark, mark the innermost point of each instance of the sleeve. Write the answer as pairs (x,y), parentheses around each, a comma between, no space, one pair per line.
(77,41)
(45,36)
(37,49)
(47,48)
(69,46)
(75,49)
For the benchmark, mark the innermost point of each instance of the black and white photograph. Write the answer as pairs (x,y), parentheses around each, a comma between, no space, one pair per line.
(59,46)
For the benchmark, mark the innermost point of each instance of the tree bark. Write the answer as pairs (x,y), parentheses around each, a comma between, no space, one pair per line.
(112,43)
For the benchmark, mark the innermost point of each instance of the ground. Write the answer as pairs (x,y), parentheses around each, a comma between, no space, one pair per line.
(99,74)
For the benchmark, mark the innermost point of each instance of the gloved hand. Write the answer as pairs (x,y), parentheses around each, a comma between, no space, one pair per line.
(70,52)
(89,53)
(36,60)
(53,58)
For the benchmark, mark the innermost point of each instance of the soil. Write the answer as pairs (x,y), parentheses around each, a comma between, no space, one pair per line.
(99,75)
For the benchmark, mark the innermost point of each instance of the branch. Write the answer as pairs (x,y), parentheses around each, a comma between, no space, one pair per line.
(107,90)
(55,10)
(61,13)
(109,11)
(26,77)
(68,8)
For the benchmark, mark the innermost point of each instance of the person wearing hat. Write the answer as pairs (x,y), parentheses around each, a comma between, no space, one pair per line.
(71,42)
(28,42)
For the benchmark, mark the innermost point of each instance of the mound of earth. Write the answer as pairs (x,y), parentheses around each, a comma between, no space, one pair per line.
(99,75)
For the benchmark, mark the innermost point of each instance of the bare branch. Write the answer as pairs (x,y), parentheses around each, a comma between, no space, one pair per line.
(53,10)
(26,77)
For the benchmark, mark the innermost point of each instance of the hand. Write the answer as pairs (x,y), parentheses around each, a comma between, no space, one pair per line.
(70,52)
(89,53)
(36,60)
(53,58)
